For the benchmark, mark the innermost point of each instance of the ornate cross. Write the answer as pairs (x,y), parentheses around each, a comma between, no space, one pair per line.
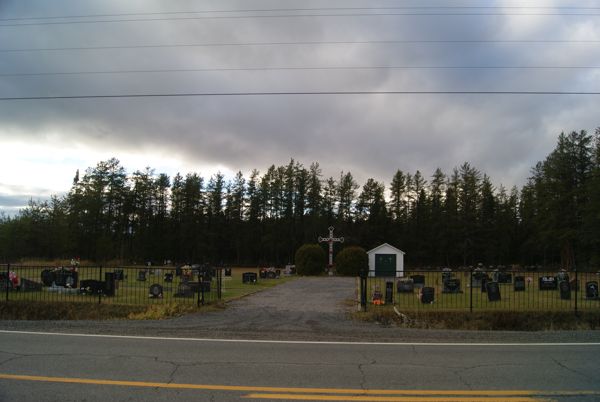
(331,240)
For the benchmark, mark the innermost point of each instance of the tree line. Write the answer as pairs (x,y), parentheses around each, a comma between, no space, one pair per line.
(447,219)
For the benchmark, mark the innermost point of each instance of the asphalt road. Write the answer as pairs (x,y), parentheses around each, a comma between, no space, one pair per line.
(45,367)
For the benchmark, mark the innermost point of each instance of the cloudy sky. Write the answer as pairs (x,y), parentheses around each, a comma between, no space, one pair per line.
(110,47)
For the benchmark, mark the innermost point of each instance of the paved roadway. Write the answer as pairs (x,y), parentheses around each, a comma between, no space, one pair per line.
(47,367)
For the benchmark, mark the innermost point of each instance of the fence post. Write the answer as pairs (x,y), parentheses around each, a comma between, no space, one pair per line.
(220,283)
(471,290)
(363,293)
(576,292)
(7,279)
(100,293)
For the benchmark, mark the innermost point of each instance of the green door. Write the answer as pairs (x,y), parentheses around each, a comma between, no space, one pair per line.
(385,264)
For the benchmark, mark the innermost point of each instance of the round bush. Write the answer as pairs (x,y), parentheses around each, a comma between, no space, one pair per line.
(310,260)
(351,260)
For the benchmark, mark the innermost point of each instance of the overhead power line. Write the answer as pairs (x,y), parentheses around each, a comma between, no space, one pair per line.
(257,16)
(256,10)
(325,68)
(292,93)
(298,43)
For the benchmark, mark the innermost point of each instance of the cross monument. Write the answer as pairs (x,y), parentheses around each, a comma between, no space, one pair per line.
(331,240)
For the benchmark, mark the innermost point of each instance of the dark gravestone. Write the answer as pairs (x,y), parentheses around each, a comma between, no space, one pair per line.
(156,291)
(389,292)
(591,290)
(227,271)
(178,271)
(446,274)
(271,275)
(405,286)
(519,284)
(418,280)
(29,286)
(451,285)
(277,273)
(168,277)
(141,276)
(249,277)
(562,276)
(493,291)
(505,277)
(109,283)
(91,287)
(5,283)
(47,277)
(263,274)
(548,283)
(119,275)
(427,295)
(484,282)
(184,290)
(478,276)
(66,278)
(565,290)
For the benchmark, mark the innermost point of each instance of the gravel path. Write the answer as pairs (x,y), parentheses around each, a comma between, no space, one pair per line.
(304,309)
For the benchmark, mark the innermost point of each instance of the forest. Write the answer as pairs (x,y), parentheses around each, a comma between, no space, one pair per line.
(456,218)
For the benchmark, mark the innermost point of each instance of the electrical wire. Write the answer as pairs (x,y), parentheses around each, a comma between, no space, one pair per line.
(272,16)
(300,43)
(225,69)
(292,93)
(306,9)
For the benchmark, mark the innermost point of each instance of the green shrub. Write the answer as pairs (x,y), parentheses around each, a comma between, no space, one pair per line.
(351,260)
(310,260)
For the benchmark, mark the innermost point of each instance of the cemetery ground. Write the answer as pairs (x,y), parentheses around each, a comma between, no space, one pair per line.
(130,300)
(308,308)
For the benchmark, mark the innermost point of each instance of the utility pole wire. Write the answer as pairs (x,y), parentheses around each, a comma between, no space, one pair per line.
(293,93)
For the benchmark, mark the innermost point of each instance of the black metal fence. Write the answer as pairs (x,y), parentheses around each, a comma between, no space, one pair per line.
(476,290)
(118,285)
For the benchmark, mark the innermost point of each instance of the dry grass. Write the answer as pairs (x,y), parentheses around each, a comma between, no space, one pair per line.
(33,310)
(484,320)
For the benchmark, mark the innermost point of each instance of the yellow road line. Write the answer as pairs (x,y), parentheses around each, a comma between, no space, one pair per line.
(261,389)
(304,393)
(304,397)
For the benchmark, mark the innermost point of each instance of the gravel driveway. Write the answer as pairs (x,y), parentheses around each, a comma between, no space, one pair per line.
(303,309)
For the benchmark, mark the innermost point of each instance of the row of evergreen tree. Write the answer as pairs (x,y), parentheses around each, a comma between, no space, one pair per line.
(454,219)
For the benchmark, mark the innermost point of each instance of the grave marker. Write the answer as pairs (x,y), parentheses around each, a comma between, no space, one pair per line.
(389,292)
(493,291)
(591,290)
(565,290)
(452,285)
(249,277)
(405,286)
(418,280)
(548,283)
(519,285)
(427,295)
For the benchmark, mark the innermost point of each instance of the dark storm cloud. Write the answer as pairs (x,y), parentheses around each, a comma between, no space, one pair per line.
(371,136)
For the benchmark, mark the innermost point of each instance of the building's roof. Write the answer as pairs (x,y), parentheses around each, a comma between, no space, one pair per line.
(383,245)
